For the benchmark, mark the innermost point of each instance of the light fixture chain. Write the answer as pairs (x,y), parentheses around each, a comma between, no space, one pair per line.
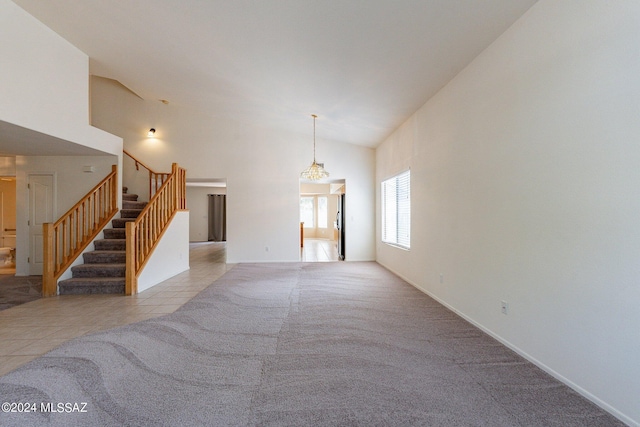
(315,171)
(314,138)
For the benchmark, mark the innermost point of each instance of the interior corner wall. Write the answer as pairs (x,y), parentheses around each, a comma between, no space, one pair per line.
(45,82)
(261,166)
(525,188)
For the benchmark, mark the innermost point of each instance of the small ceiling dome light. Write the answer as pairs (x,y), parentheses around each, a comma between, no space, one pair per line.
(151,132)
(316,171)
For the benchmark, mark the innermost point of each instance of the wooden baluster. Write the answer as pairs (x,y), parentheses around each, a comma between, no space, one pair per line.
(100,204)
(53,252)
(79,233)
(167,195)
(113,191)
(64,241)
(76,228)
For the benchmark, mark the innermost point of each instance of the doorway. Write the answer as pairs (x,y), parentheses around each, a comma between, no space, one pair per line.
(321,230)
(217,218)
(200,192)
(8,225)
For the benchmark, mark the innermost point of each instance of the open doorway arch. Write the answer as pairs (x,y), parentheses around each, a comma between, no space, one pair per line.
(199,194)
(322,236)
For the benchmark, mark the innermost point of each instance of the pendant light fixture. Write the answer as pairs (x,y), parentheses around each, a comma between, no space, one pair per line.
(315,171)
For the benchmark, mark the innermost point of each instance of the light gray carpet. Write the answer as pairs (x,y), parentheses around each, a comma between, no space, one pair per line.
(344,344)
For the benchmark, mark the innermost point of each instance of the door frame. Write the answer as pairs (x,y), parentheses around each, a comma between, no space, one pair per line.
(13,216)
(337,187)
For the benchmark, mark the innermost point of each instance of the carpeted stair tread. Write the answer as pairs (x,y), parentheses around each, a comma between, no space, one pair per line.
(104,269)
(92,285)
(130,213)
(133,204)
(99,270)
(121,222)
(105,257)
(110,245)
(114,233)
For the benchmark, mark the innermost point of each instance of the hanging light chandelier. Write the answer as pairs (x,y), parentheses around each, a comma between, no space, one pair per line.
(315,171)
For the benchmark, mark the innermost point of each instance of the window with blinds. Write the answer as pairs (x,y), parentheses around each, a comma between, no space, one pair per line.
(396,210)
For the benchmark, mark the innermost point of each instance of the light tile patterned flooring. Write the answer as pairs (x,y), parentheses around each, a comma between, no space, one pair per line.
(319,250)
(32,329)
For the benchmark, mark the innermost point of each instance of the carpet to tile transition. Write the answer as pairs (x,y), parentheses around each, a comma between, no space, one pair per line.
(16,290)
(300,345)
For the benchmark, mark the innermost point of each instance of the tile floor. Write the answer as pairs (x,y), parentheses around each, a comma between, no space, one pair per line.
(319,250)
(34,328)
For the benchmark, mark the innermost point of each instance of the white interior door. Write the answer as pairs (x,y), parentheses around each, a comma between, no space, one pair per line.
(41,188)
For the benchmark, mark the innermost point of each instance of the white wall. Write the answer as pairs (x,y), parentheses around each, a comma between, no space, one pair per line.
(136,178)
(7,166)
(171,256)
(44,82)
(526,188)
(71,183)
(44,87)
(262,168)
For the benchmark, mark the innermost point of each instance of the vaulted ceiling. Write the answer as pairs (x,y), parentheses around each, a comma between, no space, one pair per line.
(363,66)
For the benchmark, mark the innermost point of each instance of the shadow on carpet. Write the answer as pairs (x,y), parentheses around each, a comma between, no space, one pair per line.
(16,290)
(296,345)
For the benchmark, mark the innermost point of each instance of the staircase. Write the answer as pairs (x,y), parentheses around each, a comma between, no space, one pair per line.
(104,269)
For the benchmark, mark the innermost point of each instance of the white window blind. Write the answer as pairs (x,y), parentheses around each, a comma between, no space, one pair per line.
(396,210)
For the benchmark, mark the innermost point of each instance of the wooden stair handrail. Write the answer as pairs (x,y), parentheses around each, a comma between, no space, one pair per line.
(156,179)
(145,232)
(65,239)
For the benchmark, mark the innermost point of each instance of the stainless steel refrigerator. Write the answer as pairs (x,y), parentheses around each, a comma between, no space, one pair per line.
(340,222)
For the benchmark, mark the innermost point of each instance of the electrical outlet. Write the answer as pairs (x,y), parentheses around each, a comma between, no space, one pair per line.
(266,248)
(504,307)
(441,278)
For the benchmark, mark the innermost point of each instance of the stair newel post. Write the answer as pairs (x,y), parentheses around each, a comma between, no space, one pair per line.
(49,285)
(131,279)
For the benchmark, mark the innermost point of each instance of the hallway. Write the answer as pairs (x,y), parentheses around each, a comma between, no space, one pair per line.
(319,250)
(34,328)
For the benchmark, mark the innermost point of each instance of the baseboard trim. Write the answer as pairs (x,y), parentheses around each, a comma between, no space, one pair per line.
(586,394)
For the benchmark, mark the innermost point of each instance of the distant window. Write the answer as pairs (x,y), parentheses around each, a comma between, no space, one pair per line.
(307,211)
(322,212)
(396,210)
